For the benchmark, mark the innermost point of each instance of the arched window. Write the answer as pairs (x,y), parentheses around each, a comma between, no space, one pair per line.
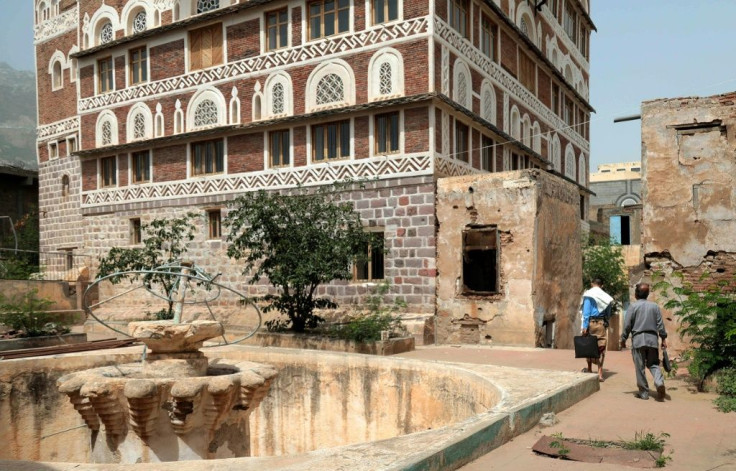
(56,76)
(462,85)
(556,154)
(536,138)
(524,27)
(515,129)
(569,162)
(582,172)
(330,89)
(205,114)
(176,15)
(256,107)
(207,5)
(234,107)
(139,126)
(159,121)
(277,99)
(385,74)
(526,131)
(139,22)
(65,185)
(106,33)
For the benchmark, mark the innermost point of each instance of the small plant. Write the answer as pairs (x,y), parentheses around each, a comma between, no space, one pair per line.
(663,459)
(277,325)
(161,315)
(647,441)
(559,445)
(377,317)
(726,402)
(26,314)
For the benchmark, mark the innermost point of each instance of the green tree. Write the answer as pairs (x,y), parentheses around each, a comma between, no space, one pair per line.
(707,319)
(606,261)
(164,242)
(21,264)
(298,242)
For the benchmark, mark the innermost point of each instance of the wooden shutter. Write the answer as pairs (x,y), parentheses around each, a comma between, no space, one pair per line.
(195,49)
(216,44)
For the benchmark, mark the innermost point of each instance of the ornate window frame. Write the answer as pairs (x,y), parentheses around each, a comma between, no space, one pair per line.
(213,95)
(58,60)
(139,108)
(556,153)
(570,162)
(526,130)
(106,116)
(178,118)
(159,129)
(524,13)
(462,84)
(284,79)
(130,12)
(582,172)
(344,72)
(72,64)
(395,61)
(103,15)
(515,123)
(488,103)
(536,138)
(234,108)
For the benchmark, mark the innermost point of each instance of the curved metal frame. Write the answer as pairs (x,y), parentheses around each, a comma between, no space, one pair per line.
(191,273)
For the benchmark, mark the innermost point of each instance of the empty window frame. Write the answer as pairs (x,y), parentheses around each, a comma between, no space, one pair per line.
(459,15)
(71,145)
(138,65)
(371,268)
(462,145)
(328,17)
(555,100)
(65,185)
(141,166)
(386,130)
(136,233)
(570,21)
(488,34)
(214,224)
(208,157)
(105,81)
(277,32)
(568,111)
(279,148)
(53,150)
(108,171)
(205,47)
(481,259)
(331,141)
(385,10)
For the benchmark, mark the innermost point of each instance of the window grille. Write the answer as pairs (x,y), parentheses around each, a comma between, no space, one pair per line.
(205,114)
(330,90)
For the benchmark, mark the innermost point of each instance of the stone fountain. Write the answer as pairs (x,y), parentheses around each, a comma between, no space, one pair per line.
(172,405)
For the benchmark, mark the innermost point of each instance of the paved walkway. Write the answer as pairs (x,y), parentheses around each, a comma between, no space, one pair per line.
(701,438)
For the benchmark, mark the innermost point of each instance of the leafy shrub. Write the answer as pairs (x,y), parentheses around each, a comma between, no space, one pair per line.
(727,389)
(707,319)
(26,314)
(606,261)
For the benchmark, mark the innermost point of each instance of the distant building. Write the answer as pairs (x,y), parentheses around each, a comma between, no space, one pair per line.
(615,209)
(153,108)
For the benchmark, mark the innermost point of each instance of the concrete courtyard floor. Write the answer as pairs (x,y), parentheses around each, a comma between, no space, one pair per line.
(701,438)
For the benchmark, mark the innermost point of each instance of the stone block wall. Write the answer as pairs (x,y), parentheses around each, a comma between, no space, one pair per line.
(403,208)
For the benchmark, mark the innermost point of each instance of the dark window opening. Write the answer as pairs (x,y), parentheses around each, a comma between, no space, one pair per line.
(480,260)
(135,231)
(214,221)
(372,268)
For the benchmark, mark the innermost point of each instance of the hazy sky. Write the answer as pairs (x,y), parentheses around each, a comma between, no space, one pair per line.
(644,49)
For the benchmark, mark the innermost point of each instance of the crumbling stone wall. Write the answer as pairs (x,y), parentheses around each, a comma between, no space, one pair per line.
(539,262)
(689,189)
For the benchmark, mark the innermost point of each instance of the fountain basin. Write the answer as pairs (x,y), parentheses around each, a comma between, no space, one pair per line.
(320,412)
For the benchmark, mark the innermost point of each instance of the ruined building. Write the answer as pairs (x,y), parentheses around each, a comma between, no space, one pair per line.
(152,108)
(689,187)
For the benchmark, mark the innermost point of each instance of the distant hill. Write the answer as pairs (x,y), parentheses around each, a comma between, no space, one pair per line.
(17,116)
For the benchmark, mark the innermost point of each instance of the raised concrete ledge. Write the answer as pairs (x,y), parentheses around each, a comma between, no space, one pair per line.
(525,395)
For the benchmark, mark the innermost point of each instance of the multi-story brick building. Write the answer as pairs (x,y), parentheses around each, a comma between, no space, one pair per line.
(157,107)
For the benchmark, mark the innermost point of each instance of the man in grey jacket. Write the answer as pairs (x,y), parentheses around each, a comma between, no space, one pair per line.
(644,322)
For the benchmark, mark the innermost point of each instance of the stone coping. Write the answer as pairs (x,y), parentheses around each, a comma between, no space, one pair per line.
(43,341)
(526,394)
(392,346)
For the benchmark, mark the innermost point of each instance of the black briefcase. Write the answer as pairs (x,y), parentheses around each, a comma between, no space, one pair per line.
(586,346)
(666,364)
